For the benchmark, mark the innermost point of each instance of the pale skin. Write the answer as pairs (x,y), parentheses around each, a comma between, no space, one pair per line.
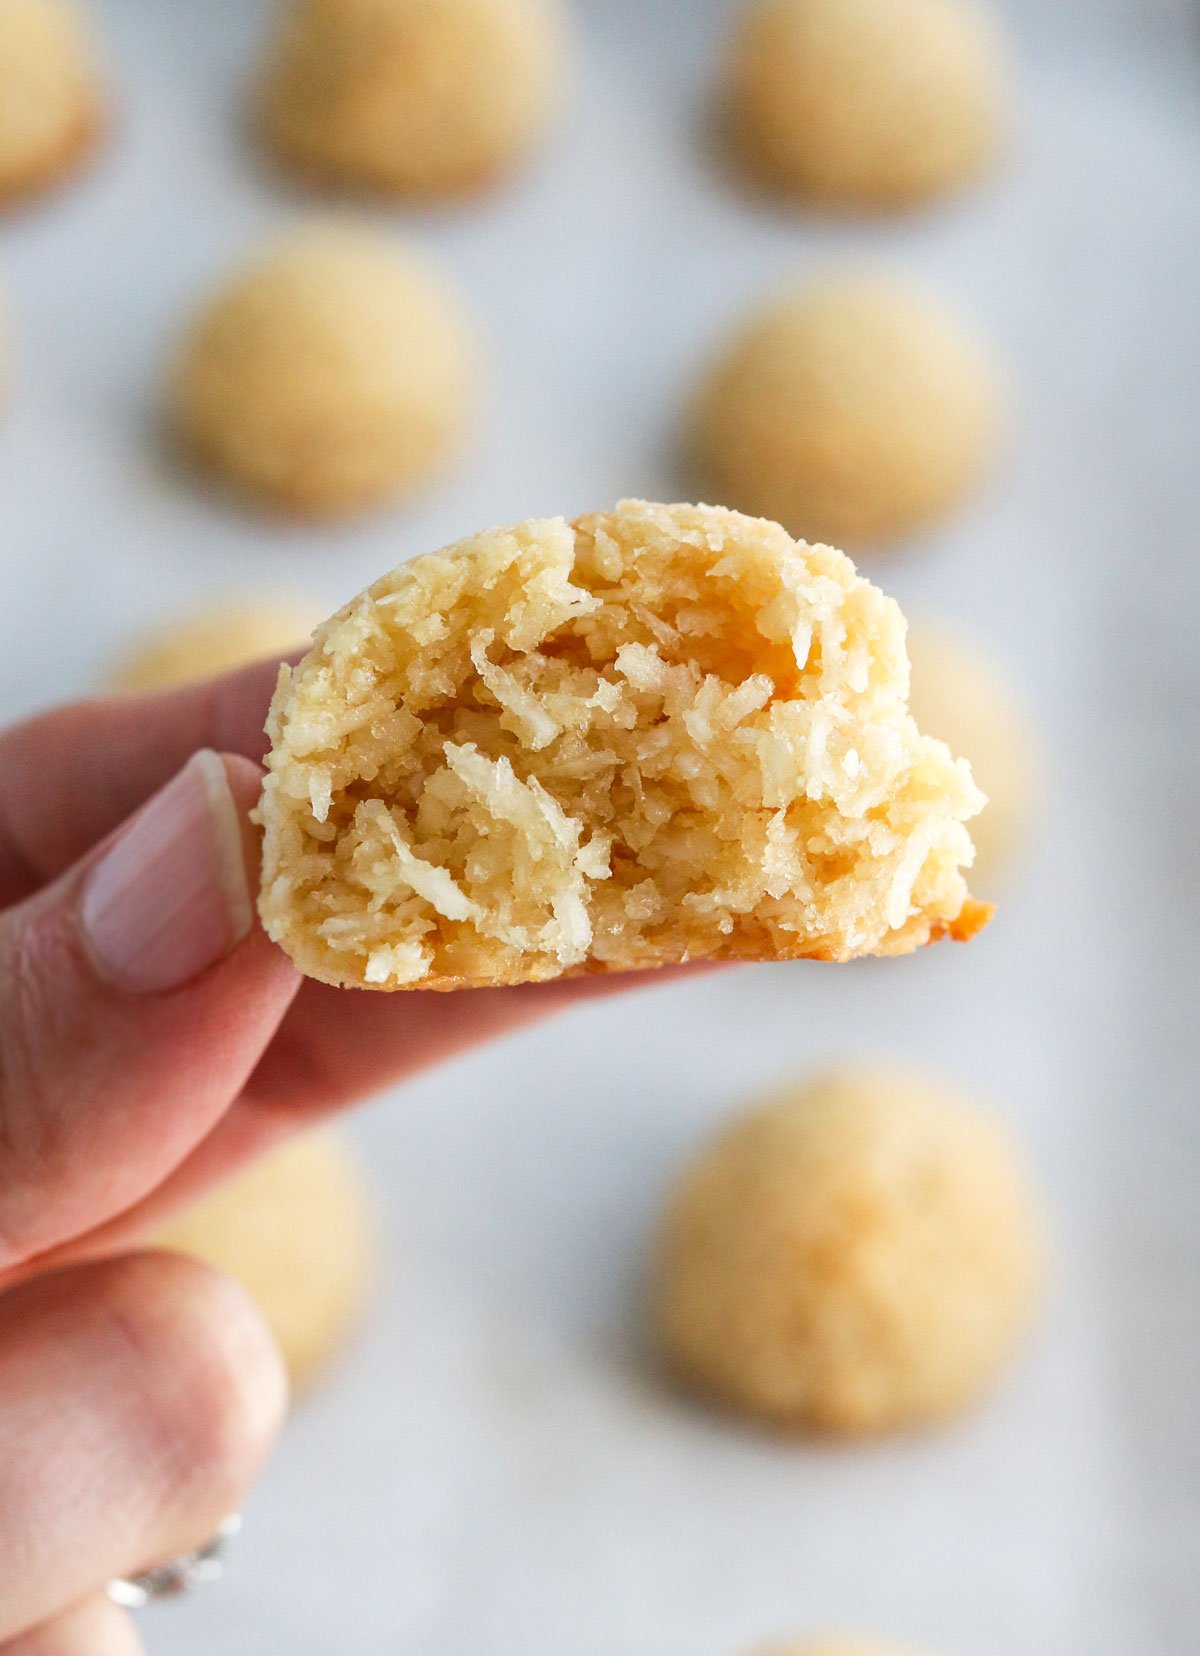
(140,1063)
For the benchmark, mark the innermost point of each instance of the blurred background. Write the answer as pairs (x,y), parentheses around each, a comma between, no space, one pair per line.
(494,1465)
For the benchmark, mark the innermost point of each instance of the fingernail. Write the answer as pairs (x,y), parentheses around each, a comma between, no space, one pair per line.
(171,897)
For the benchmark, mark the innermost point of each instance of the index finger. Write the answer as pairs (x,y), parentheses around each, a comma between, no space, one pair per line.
(70,776)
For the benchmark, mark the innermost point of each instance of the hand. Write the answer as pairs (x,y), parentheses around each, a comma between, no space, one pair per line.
(151,1039)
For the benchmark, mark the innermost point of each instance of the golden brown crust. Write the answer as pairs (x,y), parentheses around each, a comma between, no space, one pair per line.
(600,968)
(45,173)
(969,923)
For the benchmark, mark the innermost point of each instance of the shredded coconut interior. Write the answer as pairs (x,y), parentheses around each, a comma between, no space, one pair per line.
(658,734)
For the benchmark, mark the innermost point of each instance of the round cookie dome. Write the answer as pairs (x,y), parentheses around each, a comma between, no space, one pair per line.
(50,94)
(411,97)
(334,374)
(850,410)
(293,1229)
(215,640)
(858,1255)
(866,103)
(959,694)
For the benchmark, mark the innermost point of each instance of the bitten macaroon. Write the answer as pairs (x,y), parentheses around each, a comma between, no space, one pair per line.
(659,734)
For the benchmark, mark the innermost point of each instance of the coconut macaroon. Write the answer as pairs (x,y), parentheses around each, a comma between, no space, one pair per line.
(335,373)
(866,103)
(661,733)
(852,410)
(51,95)
(214,640)
(411,97)
(859,1254)
(295,1229)
(960,694)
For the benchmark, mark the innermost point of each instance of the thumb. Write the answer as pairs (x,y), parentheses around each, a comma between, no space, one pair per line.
(136,995)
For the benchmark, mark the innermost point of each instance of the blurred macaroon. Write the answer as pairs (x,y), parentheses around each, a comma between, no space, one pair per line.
(332,374)
(423,98)
(52,98)
(960,694)
(295,1228)
(853,410)
(214,638)
(860,1253)
(866,104)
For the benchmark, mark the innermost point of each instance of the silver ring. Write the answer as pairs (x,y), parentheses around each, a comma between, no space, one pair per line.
(178,1575)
